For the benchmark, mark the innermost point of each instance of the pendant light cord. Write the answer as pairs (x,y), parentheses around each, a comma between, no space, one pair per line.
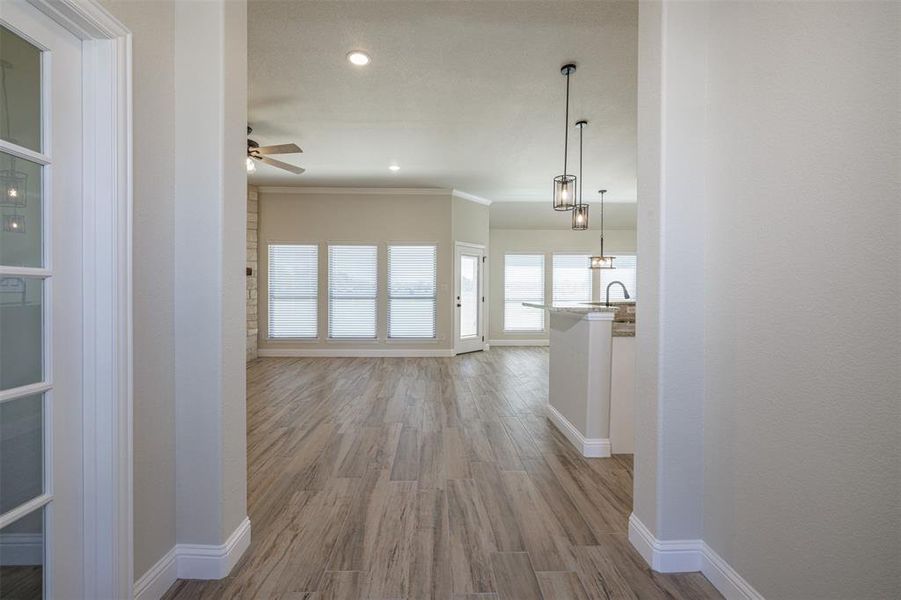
(602,224)
(580,165)
(566,129)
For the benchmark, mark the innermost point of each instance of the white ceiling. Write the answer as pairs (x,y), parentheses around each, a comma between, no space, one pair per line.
(463,95)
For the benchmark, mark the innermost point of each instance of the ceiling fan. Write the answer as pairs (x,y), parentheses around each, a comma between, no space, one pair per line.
(257,152)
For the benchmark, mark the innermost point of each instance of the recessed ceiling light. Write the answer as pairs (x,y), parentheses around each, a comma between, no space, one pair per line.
(394,168)
(359,58)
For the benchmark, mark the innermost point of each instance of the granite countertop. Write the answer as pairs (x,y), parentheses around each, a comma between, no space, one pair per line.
(623,318)
(580,308)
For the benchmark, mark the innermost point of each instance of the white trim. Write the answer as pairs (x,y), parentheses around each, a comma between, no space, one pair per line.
(107,316)
(724,578)
(195,561)
(664,556)
(154,584)
(24,153)
(683,556)
(21,549)
(470,197)
(263,189)
(353,352)
(589,447)
(538,342)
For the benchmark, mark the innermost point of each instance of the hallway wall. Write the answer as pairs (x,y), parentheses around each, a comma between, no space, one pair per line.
(769,154)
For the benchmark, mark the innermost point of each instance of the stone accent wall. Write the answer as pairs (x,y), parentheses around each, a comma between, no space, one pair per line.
(624,320)
(253,211)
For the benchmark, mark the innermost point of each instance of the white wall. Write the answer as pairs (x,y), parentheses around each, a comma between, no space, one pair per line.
(210,229)
(543,241)
(768,205)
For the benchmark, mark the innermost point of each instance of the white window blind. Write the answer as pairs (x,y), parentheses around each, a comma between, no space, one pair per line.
(523,282)
(625,272)
(293,290)
(352,291)
(412,281)
(572,278)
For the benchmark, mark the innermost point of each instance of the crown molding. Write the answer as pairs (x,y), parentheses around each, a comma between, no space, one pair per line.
(470,197)
(265,189)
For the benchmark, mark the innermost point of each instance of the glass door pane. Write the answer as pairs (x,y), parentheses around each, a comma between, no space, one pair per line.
(20,91)
(469,296)
(22,559)
(20,208)
(21,451)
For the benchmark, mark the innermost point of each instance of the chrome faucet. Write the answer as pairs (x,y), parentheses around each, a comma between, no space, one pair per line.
(622,285)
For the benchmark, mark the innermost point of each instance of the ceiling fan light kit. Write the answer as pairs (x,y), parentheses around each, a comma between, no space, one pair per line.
(261,153)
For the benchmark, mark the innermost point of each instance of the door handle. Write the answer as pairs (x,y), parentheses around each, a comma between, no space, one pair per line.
(459,305)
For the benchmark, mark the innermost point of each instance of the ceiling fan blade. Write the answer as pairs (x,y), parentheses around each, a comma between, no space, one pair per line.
(280,149)
(282,165)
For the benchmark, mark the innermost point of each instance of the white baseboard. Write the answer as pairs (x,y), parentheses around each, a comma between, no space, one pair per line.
(193,561)
(519,342)
(213,562)
(682,556)
(21,549)
(158,579)
(353,352)
(589,447)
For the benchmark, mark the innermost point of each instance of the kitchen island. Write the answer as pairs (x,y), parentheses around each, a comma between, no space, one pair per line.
(581,352)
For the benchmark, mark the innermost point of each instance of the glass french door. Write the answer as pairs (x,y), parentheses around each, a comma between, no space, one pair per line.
(40,305)
(470,299)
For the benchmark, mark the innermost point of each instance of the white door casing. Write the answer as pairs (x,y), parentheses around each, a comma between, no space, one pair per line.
(87,145)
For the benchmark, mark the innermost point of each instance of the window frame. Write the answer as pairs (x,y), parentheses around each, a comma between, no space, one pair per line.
(554,277)
(388,337)
(544,320)
(318,335)
(328,293)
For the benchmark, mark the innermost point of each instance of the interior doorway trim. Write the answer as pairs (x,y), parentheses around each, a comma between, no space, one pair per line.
(107,277)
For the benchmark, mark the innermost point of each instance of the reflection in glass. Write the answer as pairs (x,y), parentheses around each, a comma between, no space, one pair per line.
(469,296)
(21,331)
(22,561)
(21,451)
(20,91)
(20,207)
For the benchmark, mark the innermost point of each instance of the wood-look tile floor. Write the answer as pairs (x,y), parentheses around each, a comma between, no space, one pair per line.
(391,478)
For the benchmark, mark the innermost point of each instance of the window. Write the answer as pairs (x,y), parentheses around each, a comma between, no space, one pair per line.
(572,278)
(523,282)
(411,291)
(352,291)
(293,291)
(625,272)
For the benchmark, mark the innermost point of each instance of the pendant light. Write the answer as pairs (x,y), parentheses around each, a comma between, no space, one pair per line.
(565,185)
(601,262)
(580,210)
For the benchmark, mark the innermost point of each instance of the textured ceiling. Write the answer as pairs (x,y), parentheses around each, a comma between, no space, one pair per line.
(464,95)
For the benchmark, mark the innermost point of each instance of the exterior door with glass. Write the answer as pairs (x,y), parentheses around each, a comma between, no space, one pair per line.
(469,292)
(41,307)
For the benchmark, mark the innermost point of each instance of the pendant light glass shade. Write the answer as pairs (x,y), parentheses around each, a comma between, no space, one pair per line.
(564,192)
(14,223)
(601,261)
(580,217)
(12,188)
(565,184)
